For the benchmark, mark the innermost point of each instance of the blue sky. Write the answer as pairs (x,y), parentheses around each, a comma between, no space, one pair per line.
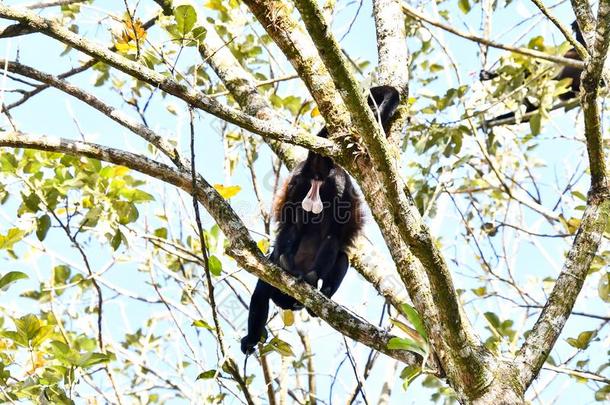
(52,113)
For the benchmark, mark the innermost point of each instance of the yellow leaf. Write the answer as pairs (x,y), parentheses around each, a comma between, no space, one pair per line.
(314,112)
(38,361)
(227,191)
(123,48)
(288,317)
(263,245)
(133,30)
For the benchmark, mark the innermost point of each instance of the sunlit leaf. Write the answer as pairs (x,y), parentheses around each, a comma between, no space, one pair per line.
(227,192)
(200,323)
(11,277)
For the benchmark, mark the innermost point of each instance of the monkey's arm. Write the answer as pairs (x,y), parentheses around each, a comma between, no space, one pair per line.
(288,237)
(286,246)
(257,316)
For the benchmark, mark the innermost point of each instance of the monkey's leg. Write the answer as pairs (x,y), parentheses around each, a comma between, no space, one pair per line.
(326,256)
(333,279)
(257,316)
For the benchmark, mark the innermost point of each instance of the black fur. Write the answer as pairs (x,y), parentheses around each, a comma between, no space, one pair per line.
(312,246)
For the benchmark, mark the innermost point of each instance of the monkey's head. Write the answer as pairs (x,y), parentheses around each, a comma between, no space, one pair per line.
(317,170)
(578,33)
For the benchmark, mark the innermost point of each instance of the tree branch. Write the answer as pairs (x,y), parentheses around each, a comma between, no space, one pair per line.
(591,80)
(301,52)
(582,51)
(195,98)
(393,54)
(238,81)
(463,357)
(52,3)
(524,51)
(585,20)
(549,325)
(242,247)
(393,57)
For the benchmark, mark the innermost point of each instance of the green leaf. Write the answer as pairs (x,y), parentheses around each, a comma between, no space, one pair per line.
(11,277)
(135,195)
(215,265)
(464,6)
(186,17)
(397,343)
(412,333)
(87,360)
(13,236)
(493,319)
(583,339)
(161,233)
(535,123)
(116,240)
(43,224)
(603,394)
(479,292)
(60,347)
(408,374)
(279,346)
(27,326)
(126,211)
(200,323)
(199,34)
(42,334)
(206,375)
(603,288)
(61,274)
(16,337)
(415,319)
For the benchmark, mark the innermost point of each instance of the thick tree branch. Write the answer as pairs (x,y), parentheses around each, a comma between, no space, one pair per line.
(16,30)
(369,263)
(468,362)
(393,54)
(242,247)
(524,51)
(301,52)
(585,19)
(393,57)
(53,3)
(591,79)
(549,325)
(276,131)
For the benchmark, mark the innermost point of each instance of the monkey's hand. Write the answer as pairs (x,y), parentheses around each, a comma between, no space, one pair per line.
(311,278)
(248,343)
(286,262)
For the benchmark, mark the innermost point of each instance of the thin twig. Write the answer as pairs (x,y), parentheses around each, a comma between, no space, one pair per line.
(524,51)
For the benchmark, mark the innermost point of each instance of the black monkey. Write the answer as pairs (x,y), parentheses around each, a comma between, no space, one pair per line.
(566,72)
(318,215)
